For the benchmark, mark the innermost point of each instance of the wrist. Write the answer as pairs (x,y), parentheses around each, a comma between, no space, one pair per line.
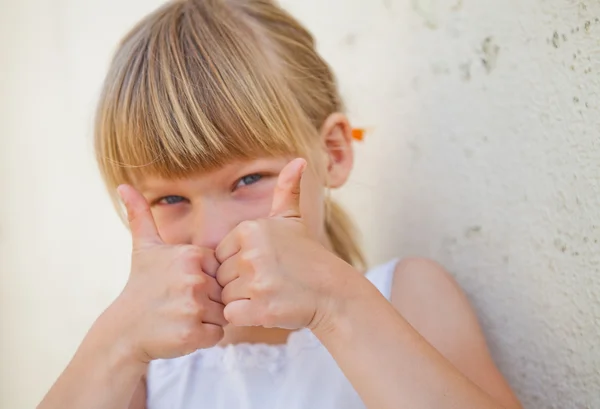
(346,289)
(110,340)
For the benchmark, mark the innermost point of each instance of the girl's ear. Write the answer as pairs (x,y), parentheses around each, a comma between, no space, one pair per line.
(336,134)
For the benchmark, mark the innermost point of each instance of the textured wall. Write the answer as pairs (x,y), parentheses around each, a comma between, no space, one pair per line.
(484,154)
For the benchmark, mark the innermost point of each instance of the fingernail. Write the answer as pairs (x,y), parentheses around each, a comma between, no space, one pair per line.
(120,189)
(303,166)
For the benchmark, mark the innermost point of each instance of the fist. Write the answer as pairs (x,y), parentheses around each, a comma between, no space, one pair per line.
(171,305)
(273,273)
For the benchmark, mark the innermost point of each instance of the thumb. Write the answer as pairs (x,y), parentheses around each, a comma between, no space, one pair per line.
(141,223)
(286,198)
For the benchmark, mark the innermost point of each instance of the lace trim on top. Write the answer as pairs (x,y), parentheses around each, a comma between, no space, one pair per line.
(264,356)
(245,355)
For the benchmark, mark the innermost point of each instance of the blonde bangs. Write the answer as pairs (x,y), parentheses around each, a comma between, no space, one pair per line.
(200,83)
(187,94)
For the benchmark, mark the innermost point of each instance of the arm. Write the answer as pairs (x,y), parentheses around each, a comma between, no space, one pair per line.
(427,352)
(432,302)
(101,375)
(170,306)
(275,274)
(138,401)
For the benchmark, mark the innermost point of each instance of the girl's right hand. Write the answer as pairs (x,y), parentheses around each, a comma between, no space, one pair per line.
(171,305)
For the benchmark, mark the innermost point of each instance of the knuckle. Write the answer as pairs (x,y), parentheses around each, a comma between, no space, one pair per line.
(248,228)
(193,309)
(212,334)
(189,284)
(187,336)
(197,282)
(136,213)
(262,287)
(257,288)
(198,309)
(252,254)
(270,316)
(190,254)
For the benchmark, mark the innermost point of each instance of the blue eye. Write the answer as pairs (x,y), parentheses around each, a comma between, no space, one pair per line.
(249,180)
(171,200)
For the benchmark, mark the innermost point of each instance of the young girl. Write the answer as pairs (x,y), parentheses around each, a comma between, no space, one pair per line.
(221,129)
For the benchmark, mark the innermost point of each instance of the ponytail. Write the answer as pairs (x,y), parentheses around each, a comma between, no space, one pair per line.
(342,234)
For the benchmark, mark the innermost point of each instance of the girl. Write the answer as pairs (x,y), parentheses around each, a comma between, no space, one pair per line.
(221,129)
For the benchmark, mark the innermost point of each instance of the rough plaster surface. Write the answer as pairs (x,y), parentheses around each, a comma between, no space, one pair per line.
(483,153)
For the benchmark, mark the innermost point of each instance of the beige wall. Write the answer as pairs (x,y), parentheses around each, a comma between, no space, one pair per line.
(484,155)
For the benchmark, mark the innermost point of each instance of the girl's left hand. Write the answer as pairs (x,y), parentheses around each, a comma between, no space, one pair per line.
(273,273)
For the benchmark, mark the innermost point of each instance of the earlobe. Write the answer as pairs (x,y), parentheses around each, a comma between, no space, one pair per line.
(336,134)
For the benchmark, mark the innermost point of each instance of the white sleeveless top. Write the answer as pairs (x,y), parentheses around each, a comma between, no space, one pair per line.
(299,374)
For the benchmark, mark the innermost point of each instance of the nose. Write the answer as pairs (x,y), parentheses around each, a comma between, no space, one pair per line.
(211,223)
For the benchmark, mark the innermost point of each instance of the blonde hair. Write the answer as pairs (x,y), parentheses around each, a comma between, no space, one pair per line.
(198,83)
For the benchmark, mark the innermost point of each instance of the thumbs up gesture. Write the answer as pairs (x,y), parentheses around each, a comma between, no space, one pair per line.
(273,273)
(171,305)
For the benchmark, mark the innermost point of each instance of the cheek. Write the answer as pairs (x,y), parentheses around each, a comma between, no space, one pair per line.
(257,208)
(209,223)
(173,227)
(254,202)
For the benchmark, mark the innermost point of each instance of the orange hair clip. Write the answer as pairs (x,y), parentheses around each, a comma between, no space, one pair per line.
(358,134)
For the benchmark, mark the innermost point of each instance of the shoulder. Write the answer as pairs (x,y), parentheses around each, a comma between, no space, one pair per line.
(415,279)
(423,291)
(414,270)
(420,280)
(431,300)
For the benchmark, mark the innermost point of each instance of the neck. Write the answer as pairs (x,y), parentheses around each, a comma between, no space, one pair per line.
(254,335)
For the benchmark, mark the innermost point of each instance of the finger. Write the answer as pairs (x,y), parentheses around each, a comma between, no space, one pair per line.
(286,198)
(214,314)
(141,223)
(228,271)
(210,335)
(241,314)
(209,263)
(236,290)
(232,243)
(213,290)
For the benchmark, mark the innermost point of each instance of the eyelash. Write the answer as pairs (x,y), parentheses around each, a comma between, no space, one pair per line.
(164,198)
(257,178)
